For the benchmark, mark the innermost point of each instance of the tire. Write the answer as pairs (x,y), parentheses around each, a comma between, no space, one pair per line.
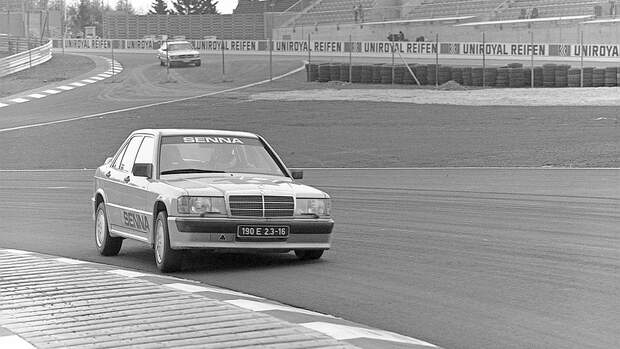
(106,244)
(197,63)
(161,63)
(306,255)
(166,259)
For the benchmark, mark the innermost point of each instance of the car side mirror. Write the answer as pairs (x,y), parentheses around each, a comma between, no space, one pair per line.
(107,161)
(297,174)
(142,170)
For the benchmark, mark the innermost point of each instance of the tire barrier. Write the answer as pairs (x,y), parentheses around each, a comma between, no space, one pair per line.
(467,76)
(610,76)
(399,74)
(502,77)
(549,75)
(561,75)
(457,75)
(444,74)
(598,77)
(574,77)
(344,72)
(376,73)
(513,75)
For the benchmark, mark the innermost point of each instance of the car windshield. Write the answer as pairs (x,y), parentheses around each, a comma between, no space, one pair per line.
(179,47)
(215,154)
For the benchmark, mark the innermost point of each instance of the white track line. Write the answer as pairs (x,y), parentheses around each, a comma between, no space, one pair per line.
(18,100)
(151,104)
(37,95)
(2,105)
(77,84)
(52,92)
(343,332)
(14,342)
(65,88)
(99,78)
(260,306)
(89,81)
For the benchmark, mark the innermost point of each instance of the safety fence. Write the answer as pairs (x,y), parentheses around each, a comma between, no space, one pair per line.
(26,59)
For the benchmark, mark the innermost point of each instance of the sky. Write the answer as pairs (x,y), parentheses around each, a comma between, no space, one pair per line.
(143,6)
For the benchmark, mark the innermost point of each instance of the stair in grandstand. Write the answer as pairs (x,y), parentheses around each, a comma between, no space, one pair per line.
(452,8)
(256,6)
(332,12)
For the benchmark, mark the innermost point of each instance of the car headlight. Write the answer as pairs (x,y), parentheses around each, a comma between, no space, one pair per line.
(313,207)
(201,205)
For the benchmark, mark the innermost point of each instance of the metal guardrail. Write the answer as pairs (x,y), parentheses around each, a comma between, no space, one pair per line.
(27,59)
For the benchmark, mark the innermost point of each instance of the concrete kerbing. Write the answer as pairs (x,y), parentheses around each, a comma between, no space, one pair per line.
(50,301)
(104,68)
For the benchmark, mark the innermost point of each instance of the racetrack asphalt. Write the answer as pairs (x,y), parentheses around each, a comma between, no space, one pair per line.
(461,258)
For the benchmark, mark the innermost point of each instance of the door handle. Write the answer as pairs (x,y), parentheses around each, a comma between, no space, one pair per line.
(108,174)
(126,179)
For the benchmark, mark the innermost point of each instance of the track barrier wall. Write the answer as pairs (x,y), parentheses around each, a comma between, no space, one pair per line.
(29,58)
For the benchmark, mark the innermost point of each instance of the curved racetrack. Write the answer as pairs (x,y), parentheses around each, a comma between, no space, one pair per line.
(461,257)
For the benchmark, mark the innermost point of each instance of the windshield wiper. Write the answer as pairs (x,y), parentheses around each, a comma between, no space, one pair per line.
(190,170)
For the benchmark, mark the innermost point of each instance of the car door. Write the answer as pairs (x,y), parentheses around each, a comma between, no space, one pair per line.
(119,177)
(137,216)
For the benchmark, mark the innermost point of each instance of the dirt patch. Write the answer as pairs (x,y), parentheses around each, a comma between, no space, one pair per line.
(60,67)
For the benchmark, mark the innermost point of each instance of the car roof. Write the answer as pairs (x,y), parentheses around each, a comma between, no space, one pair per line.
(194,132)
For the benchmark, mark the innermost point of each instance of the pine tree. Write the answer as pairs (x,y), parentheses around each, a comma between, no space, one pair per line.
(159,7)
(195,7)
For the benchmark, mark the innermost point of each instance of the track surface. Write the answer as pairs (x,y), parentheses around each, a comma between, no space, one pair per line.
(494,258)
(463,258)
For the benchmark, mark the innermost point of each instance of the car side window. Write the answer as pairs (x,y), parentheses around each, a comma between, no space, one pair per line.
(145,154)
(119,157)
(130,153)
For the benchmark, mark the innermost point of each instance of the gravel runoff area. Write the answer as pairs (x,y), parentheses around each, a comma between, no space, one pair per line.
(592,96)
(60,67)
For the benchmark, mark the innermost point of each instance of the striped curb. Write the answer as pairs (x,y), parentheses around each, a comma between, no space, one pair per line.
(114,68)
(61,302)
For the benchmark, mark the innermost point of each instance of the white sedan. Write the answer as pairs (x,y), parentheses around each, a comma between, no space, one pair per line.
(178,52)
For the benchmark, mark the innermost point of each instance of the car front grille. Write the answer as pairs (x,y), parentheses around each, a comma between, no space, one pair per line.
(261,206)
(186,56)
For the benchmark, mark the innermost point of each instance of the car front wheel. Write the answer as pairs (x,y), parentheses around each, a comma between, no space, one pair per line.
(306,255)
(166,259)
(106,244)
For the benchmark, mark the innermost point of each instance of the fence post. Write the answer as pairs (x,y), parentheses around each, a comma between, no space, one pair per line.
(223,66)
(309,57)
(484,60)
(437,60)
(532,58)
(350,58)
(270,58)
(581,54)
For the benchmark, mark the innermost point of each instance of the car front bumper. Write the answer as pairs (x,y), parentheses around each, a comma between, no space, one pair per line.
(221,233)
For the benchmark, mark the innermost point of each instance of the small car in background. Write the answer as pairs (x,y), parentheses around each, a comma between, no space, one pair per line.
(206,189)
(177,52)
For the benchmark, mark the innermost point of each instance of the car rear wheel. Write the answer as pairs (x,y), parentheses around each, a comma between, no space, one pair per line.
(106,244)
(166,259)
(162,63)
(306,255)
(197,63)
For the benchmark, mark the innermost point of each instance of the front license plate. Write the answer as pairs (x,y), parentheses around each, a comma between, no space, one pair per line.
(262,231)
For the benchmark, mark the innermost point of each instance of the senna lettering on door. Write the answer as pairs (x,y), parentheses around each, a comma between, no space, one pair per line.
(136,221)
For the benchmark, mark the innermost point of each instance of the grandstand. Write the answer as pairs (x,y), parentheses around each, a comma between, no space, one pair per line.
(262,6)
(554,8)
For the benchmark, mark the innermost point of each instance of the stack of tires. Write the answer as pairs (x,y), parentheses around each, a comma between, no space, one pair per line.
(598,77)
(399,74)
(548,75)
(588,76)
(610,76)
(324,72)
(366,74)
(407,78)
(476,76)
(515,77)
(421,71)
(334,71)
(312,71)
(444,74)
(344,72)
(467,76)
(561,75)
(502,78)
(386,74)
(431,76)
(490,75)
(376,73)
(356,73)
(457,75)
(574,77)
(515,65)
